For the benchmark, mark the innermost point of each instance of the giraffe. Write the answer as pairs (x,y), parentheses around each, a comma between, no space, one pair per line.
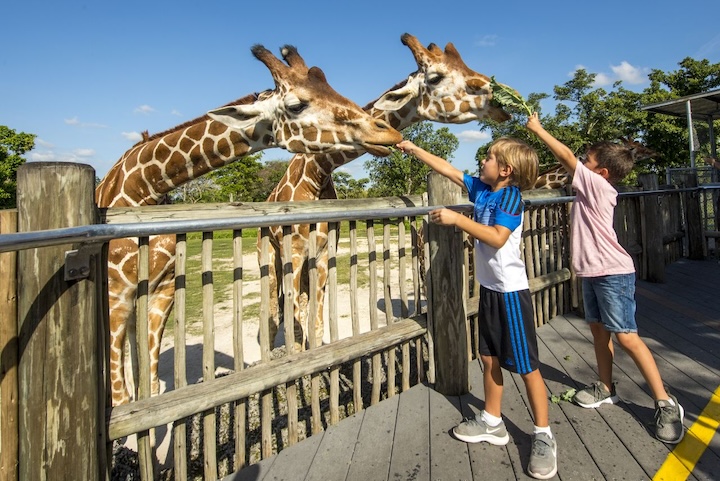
(556,177)
(302,114)
(443,89)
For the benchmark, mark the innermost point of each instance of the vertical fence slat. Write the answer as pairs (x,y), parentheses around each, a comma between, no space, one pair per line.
(333,313)
(238,349)
(355,315)
(208,303)
(372,266)
(317,424)
(295,334)
(387,300)
(180,355)
(9,357)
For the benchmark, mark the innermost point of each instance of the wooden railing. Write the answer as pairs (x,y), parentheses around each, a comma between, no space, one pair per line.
(421,322)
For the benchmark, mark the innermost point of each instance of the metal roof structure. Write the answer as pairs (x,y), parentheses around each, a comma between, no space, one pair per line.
(704,106)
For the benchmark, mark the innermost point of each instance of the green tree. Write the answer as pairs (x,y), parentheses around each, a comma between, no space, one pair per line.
(238,181)
(347,187)
(12,147)
(270,175)
(585,114)
(401,174)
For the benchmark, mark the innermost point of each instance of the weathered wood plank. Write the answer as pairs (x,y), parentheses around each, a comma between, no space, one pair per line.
(411,444)
(374,447)
(334,455)
(448,456)
(487,461)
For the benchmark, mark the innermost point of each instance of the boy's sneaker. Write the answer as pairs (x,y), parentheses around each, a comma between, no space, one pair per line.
(594,395)
(543,459)
(669,421)
(474,430)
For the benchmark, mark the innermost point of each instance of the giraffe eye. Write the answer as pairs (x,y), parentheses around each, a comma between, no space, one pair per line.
(434,78)
(298,107)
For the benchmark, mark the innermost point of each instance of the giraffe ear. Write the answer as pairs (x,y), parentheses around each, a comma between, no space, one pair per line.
(238,117)
(398,98)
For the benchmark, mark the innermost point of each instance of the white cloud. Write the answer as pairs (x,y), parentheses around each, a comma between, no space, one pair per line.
(84,152)
(76,121)
(627,73)
(708,48)
(144,109)
(472,136)
(48,156)
(43,143)
(176,113)
(487,41)
(132,136)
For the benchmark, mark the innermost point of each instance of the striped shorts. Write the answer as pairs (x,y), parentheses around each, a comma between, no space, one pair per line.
(507,329)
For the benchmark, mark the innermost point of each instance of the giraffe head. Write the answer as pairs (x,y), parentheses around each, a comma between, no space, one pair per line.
(305,114)
(443,89)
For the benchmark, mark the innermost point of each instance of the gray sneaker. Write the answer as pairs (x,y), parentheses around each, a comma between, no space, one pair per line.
(669,421)
(543,459)
(594,395)
(474,430)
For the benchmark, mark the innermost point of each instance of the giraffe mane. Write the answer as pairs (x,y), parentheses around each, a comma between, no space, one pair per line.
(241,101)
(397,86)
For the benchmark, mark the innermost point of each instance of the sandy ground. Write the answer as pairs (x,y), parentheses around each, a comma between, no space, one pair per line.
(251,347)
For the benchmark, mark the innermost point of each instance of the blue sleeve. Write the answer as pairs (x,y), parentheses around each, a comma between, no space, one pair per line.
(510,208)
(474,186)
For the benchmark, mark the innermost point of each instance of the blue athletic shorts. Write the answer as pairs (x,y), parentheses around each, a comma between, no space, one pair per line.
(507,329)
(611,301)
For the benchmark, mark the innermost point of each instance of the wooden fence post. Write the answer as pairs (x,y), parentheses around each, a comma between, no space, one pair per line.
(651,218)
(693,217)
(61,408)
(447,309)
(8,354)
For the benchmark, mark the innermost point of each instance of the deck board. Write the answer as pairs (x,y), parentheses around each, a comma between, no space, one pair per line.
(409,437)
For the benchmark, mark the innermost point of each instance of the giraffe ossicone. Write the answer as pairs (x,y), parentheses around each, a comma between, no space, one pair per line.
(443,89)
(302,114)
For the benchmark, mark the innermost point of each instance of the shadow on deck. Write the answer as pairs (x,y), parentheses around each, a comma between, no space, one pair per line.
(408,437)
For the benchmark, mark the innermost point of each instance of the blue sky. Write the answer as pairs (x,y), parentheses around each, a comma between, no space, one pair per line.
(88,77)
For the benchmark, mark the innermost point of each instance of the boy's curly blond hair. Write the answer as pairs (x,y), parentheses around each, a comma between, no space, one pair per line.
(521,157)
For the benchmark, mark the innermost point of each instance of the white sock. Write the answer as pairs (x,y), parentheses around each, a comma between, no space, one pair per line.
(546,430)
(672,403)
(490,420)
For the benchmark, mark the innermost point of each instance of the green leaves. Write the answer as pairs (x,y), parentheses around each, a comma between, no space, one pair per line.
(508,97)
(566,396)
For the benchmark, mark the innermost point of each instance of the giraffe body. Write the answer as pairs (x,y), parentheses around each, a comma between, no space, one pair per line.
(302,114)
(443,89)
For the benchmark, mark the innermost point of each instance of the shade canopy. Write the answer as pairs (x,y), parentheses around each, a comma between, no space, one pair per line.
(704,106)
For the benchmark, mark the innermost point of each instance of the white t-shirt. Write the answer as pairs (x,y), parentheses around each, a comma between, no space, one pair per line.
(500,270)
(594,245)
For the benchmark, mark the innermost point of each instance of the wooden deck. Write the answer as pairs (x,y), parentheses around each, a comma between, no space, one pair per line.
(408,437)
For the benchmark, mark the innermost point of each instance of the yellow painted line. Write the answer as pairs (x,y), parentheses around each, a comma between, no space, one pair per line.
(681,460)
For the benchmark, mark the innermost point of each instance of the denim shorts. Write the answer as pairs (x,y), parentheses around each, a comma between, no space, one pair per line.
(611,301)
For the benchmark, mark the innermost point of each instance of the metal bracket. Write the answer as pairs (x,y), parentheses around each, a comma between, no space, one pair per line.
(77,262)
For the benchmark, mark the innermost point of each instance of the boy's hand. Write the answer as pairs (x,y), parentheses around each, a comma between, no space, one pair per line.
(406,146)
(533,123)
(443,216)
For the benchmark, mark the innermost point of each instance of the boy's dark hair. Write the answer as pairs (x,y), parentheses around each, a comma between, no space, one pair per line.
(618,158)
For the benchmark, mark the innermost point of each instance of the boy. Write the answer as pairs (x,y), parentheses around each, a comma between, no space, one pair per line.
(608,276)
(507,325)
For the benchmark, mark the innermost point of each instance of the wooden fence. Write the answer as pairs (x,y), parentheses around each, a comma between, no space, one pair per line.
(54,365)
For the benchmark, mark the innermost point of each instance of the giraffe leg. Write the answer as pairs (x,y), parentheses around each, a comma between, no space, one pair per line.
(322,275)
(274,273)
(160,301)
(122,314)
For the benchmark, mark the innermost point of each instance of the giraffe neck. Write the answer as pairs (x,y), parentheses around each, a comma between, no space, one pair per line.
(151,169)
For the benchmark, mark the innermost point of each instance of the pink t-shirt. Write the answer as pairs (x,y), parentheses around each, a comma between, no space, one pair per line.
(595,247)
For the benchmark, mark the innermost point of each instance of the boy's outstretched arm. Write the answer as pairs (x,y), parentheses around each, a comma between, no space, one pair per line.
(439,165)
(561,151)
